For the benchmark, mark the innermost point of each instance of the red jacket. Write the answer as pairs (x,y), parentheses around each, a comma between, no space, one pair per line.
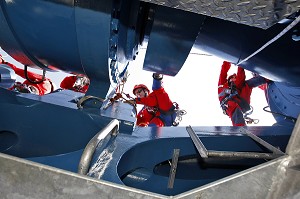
(156,103)
(158,98)
(243,89)
(147,116)
(43,88)
(68,83)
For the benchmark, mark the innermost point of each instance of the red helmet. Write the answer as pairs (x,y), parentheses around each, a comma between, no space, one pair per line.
(231,76)
(140,86)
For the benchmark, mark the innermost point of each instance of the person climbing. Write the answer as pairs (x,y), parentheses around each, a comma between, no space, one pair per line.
(76,82)
(158,109)
(34,83)
(235,93)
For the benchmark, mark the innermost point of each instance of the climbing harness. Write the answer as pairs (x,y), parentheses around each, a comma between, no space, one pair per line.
(178,118)
(175,113)
(246,108)
(230,94)
(179,114)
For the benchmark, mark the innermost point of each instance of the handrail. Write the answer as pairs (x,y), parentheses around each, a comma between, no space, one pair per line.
(85,160)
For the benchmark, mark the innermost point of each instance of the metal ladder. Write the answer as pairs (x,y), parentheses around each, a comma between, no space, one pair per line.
(204,153)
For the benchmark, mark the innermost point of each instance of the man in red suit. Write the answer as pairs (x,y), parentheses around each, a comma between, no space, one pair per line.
(158,109)
(234,93)
(76,82)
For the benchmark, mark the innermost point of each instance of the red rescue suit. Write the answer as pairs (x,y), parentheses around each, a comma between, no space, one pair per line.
(244,91)
(158,109)
(43,87)
(68,83)
(147,117)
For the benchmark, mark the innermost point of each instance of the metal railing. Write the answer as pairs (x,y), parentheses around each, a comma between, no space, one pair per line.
(85,160)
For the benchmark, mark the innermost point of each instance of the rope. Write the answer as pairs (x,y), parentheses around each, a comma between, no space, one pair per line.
(130,101)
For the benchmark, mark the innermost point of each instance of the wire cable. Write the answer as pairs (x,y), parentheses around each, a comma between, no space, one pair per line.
(276,113)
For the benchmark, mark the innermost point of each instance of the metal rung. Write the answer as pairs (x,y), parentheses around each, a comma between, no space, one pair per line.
(199,145)
(173,168)
(204,153)
(261,141)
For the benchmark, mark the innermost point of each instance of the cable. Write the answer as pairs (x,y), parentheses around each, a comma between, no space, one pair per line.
(287,117)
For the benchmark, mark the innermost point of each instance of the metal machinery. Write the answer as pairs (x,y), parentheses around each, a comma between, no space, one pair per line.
(46,140)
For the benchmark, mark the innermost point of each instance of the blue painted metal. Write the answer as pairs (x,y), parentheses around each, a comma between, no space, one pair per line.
(66,161)
(41,122)
(284,101)
(48,31)
(123,160)
(99,38)
(8,76)
(171,40)
(234,42)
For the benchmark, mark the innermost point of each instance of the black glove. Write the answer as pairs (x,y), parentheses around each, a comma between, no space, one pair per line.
(157,76)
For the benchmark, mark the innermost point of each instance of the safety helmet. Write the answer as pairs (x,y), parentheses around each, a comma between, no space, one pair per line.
(230,77)
(140,86)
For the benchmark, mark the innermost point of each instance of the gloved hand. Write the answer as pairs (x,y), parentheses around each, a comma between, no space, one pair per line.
(226,66)
(157,76)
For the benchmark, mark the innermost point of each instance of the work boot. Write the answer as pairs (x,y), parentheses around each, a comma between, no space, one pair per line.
(157,76)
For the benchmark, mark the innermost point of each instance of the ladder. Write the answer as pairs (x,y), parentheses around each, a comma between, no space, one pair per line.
(204,153)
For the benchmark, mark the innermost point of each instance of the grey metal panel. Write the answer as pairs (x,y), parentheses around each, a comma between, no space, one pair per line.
(261,14)
(26,179)
(287,182)
(254,183)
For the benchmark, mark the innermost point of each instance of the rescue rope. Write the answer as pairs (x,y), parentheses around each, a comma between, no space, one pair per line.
(295,22)
(130,101)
